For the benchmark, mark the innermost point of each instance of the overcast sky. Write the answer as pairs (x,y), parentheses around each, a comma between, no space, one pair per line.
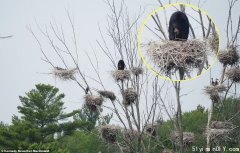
(20,64)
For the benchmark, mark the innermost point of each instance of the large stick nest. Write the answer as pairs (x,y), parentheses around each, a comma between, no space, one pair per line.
(188,138)
(228,56)
(218,134)
(93,102)
(171,55)
(121,75)
(64,74)
(109,133)
(151,129)
(130,95)
(137,70)
(130,134)
(213,92)
(222,125)
(234,74)
(107,94)
(212,89)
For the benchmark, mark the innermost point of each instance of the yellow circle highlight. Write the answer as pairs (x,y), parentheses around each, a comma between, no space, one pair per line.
(139,36)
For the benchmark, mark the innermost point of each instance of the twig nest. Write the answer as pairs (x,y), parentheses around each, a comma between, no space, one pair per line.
(109,133)
(212,89)
(218,134)
(213,92)
(121,75)
(171,55)
(215,98)
(228,56)
(64,74)
(188,138)
(168,151)
(93,102)
(137,71)
(130,95)
(130,134)
(151,129)
(234,74)
(213,42)
(107,94)
(221,125)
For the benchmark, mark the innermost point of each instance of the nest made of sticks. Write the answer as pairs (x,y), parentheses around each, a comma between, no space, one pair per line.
(64,74)
(168,151)
(234,74)
(107,94)
(137,71)
(171,55)
(121,75)
(213,42)
(109,133)
(188,138)
(213,92)
(130,95)
(228,56)
(212,89)
(130,134)
(151,129)
(93,102)
(222,125)
(218,134)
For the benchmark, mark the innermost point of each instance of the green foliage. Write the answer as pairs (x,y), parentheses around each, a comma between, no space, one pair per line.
(84,142)
(194,121)
(41,106)
(53,147)
(19,135)
(230,111)
(94,118)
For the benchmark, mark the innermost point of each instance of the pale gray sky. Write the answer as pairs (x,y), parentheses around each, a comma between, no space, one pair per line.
(20,61)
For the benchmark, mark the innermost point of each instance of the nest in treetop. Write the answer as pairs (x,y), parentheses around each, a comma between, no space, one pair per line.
(213,89)
(222,125)
(109,133)
(234,74)
(93,102)
(188,138)
(121,75)
(130,95)
(169,55)
(64,74)
(213,92)
(151,129)
(228,56)
(218,134)
(168,151)
(107,94)
(213,41)
(137,71)
(129,134)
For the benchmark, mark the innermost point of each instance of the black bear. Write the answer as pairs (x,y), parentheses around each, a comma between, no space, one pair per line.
(178,26)
(121,65)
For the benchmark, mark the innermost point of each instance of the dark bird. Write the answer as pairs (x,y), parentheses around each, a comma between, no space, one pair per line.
(214,83)
(87,90)
(121,65)
(178,31)
(178,26)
